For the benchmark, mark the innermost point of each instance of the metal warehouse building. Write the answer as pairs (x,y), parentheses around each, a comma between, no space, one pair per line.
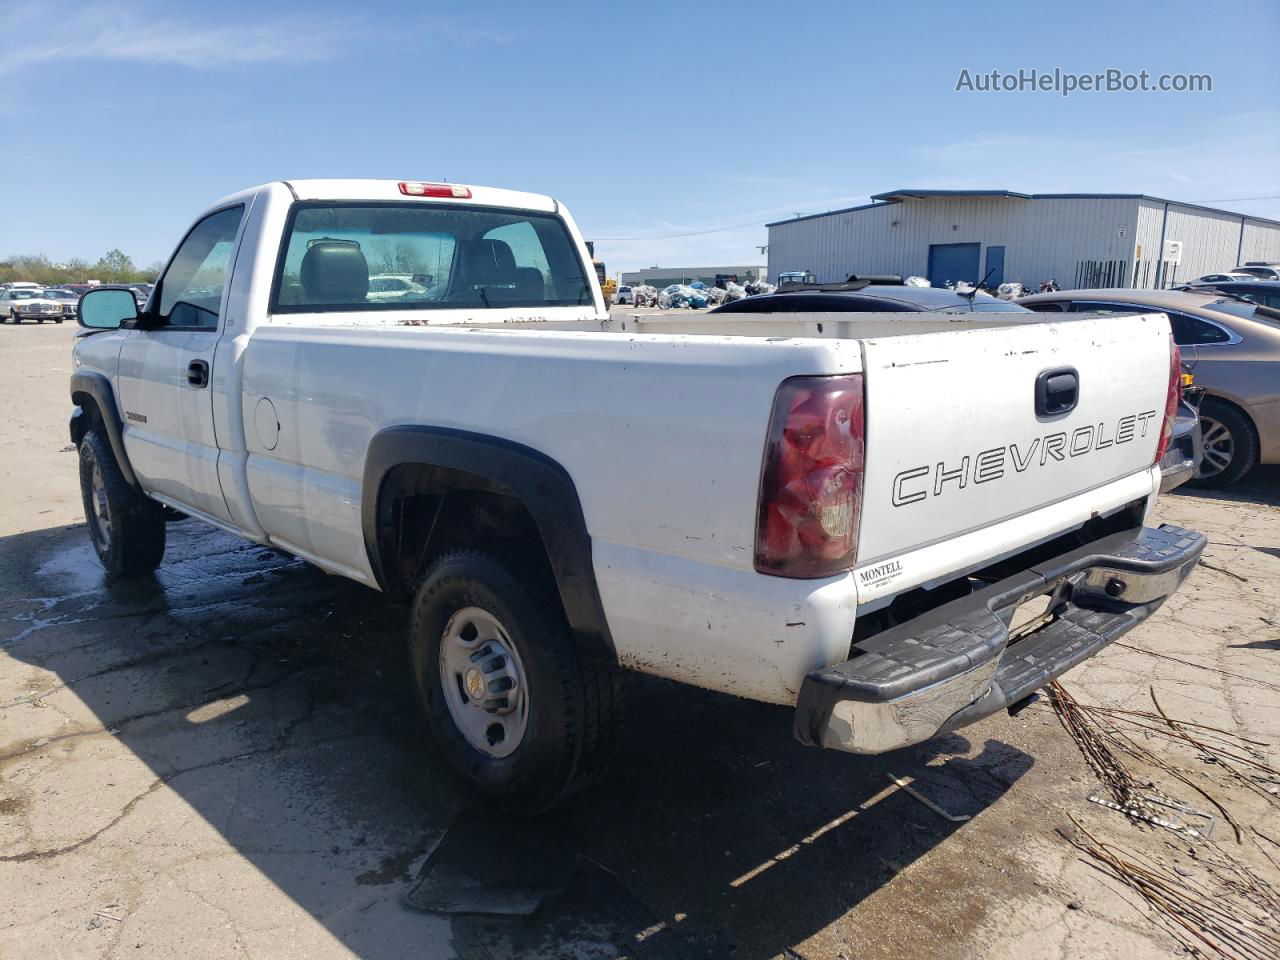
(1078,239)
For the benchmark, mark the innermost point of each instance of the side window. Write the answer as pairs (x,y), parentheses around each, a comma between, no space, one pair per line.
(1085,306)
(1045,307)
(190,292)
(1189,330)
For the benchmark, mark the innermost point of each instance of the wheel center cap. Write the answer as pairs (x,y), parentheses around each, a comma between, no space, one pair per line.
(474,681)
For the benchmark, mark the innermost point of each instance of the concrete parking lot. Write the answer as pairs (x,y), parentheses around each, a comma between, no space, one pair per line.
(225,761)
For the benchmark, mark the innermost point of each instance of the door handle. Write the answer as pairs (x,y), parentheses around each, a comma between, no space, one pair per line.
(1057,391)
(198,373)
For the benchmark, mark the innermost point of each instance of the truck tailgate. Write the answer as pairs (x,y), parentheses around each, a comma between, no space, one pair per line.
(954,439)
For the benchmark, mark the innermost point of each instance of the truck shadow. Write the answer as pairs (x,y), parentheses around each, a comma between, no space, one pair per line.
(270,700)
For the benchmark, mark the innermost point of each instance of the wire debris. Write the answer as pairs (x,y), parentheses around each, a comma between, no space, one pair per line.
(1223,908)
(1231,912)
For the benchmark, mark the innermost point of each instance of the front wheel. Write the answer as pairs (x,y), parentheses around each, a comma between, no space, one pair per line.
(1230,445)
(521,719)
(126,527)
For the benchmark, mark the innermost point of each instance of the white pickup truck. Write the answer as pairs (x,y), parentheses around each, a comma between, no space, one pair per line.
(836,512)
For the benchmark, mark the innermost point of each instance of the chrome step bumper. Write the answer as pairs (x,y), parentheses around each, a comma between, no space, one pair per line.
(955,664)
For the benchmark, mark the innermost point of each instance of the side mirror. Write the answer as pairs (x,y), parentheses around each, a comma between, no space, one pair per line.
(106,309)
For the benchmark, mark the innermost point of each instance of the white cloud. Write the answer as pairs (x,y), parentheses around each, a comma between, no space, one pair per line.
(39,31)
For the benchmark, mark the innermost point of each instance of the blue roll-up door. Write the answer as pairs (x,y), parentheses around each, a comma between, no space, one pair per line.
(995,266)
(949,262)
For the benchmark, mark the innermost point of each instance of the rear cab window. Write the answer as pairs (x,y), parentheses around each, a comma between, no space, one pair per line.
(376,257)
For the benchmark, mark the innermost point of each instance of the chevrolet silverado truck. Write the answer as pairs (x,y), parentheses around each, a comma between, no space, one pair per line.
(895,524)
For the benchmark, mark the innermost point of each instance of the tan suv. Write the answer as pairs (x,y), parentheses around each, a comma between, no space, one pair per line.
(1233,348)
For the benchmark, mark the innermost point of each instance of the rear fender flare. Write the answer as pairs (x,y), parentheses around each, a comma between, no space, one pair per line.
(544,488)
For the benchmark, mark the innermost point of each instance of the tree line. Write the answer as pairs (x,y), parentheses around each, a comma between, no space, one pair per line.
(114,266)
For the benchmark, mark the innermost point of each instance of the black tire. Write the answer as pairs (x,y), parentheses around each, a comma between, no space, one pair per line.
(1229,435)
(126,527)
(573,707)
(40,320)
(58,320)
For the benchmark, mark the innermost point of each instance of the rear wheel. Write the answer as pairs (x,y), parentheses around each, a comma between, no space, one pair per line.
(126,527)
(1230,445)
(519,717)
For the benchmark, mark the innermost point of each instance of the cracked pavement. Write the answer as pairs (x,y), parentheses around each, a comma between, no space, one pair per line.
(225,761)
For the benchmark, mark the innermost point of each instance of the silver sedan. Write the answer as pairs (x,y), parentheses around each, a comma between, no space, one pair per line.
(1233,348)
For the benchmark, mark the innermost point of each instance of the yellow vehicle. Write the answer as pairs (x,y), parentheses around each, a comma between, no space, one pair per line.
(608,285)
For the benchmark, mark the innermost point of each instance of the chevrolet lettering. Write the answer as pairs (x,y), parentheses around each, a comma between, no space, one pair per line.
(918,483)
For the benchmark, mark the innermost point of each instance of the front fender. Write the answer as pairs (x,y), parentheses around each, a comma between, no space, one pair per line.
(88,387)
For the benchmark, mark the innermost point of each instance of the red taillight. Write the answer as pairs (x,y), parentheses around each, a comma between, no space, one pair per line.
(412,189)
(1173,397)
(811,487)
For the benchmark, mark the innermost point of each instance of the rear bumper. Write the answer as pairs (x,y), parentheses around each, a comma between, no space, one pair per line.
(1185,452)
(955,664)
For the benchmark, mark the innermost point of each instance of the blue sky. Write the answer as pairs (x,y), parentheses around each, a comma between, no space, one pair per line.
(125,117)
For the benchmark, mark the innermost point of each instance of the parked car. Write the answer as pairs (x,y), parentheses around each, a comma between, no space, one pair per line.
(66,298)
(395,286)
(1221,278)
(1265,292)
(563,493)
(867,296)
(27,303)
(1233,348)
(1261,269)
(624,295)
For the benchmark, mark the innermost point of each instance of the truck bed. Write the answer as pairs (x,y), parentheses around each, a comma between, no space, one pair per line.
(663,434)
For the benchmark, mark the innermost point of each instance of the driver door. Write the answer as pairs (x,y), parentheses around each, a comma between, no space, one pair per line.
(166,366)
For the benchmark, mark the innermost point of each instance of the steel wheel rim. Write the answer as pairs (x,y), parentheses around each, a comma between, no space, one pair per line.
(1219,447)
(101,511)
(483,681)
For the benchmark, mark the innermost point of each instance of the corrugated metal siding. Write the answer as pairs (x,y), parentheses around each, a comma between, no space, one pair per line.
(1043,239)
(1147,244)
(1261,242)
(1076,241)
(1209,243)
